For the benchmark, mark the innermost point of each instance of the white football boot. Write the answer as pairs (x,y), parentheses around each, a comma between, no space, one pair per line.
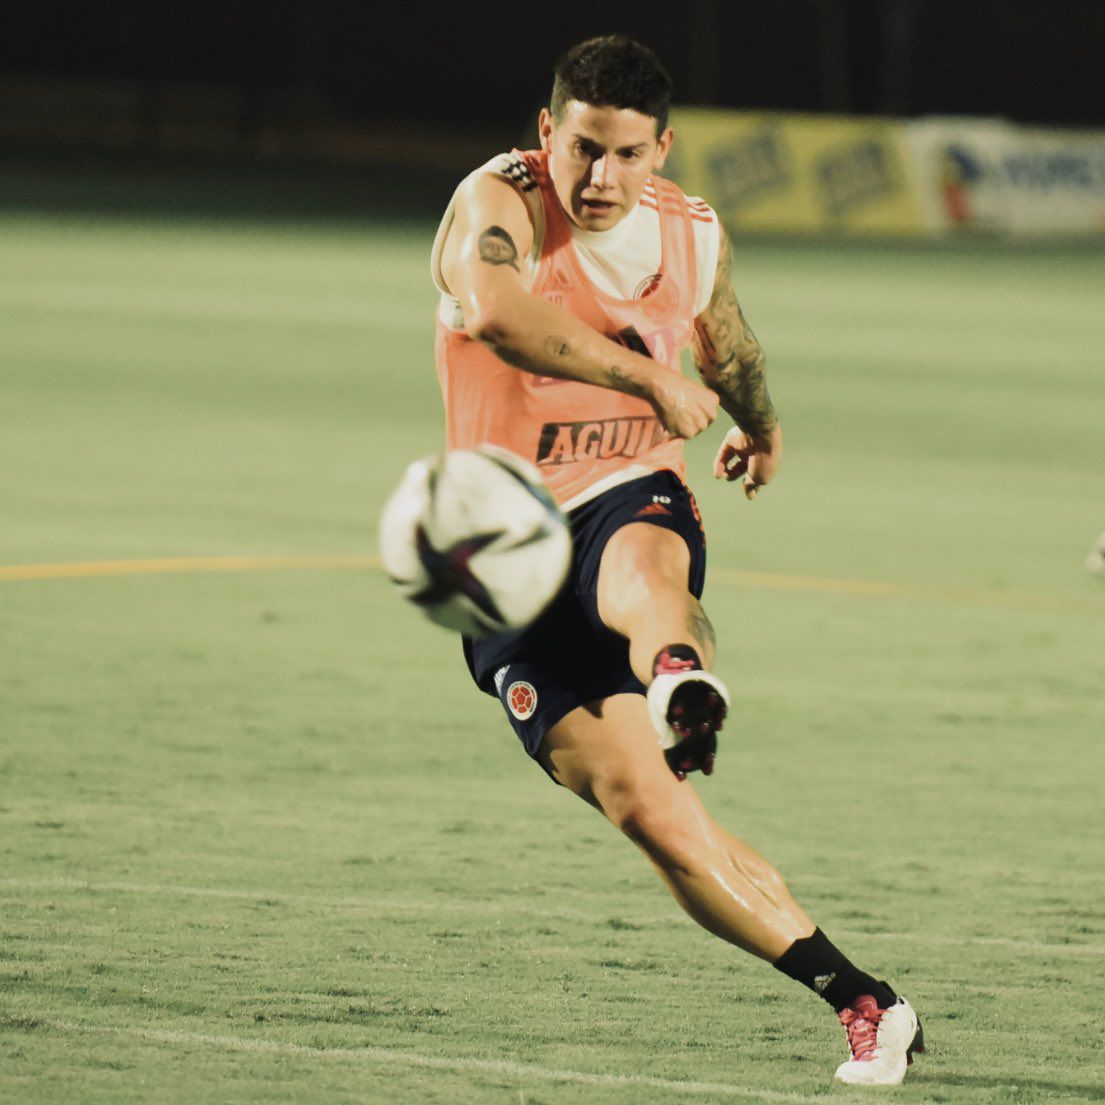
(687,707)
(882,1042)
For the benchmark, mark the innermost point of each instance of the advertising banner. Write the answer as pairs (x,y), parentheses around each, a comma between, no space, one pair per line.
(993,176)
(767,172)
(770,172)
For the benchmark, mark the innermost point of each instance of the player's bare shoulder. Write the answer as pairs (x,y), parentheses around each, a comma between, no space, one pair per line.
(495,215)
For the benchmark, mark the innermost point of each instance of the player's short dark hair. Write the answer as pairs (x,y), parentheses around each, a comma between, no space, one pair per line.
(613,71)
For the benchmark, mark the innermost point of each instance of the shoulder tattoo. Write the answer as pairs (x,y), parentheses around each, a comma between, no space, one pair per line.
(497,248)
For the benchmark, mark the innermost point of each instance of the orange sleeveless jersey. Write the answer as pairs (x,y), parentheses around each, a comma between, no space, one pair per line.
(577,434)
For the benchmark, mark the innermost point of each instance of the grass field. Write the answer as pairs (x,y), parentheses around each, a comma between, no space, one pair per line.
(260,841)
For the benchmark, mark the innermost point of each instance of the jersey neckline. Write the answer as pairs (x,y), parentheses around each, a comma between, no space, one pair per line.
(577,263)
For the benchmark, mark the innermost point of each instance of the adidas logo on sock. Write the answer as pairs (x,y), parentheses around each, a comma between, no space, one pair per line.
(822,982)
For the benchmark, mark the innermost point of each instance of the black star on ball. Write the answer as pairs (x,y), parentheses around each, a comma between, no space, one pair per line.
(450,574)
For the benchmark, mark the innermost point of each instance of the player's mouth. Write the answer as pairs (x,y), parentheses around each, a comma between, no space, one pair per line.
(598,207)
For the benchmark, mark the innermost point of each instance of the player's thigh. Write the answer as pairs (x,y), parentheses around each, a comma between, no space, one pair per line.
(607,752)
(639,559)
(604,745)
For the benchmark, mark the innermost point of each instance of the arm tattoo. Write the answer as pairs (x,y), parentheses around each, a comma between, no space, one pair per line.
(556,346)
(729,357)
(622,381)
(497,248)
(701,627)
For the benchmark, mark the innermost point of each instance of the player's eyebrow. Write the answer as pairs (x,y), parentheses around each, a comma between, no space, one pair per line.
(586,140)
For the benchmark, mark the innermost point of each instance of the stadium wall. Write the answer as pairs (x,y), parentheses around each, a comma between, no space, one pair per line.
(821,175)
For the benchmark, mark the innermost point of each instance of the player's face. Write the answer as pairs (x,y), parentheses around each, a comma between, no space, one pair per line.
(599,160)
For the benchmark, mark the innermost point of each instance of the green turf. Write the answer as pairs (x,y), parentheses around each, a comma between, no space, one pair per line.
(260,841)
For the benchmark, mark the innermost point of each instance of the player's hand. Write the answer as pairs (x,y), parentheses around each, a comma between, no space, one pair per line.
(685,408)
(755,458)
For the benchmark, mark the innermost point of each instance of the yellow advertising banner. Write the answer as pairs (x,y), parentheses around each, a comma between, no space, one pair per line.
(798,174)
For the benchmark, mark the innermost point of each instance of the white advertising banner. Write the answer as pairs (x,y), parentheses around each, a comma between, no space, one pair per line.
(994,176)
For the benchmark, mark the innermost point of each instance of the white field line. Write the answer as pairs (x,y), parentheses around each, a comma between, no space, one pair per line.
(437,908)
(389,1057)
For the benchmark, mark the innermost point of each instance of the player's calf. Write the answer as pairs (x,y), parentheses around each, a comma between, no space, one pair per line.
(687,706)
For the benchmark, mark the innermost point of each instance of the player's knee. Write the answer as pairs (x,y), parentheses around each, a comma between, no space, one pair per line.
(666,837)
(637,565)
(621,596)
(652,563)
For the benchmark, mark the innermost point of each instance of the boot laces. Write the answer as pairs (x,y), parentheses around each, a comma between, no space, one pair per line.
(862,1026)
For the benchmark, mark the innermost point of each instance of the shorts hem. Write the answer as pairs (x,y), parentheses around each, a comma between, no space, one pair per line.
(533,739)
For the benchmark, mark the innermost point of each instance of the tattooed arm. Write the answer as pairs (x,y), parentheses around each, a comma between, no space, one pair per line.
(729,357)
(483,263)
(731,362)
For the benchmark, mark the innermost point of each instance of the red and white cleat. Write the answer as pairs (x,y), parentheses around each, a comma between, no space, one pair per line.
(882,1042)
(687,706)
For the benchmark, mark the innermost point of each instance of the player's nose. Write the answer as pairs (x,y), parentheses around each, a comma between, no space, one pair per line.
(599,169)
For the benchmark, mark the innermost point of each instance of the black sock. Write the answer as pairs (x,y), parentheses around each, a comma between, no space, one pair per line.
(816,962)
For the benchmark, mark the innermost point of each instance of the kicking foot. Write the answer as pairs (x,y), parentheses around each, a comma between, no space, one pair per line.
(687,706)
(882,1042)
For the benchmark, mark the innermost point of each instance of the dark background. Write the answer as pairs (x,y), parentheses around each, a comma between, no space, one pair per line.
(479,67)
(338,107)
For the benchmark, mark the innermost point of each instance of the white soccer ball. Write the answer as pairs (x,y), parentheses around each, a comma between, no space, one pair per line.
(474,539)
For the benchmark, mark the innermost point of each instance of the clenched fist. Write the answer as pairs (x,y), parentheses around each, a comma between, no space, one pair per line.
(685,408)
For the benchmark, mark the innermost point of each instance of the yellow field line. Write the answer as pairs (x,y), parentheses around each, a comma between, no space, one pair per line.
(856,588)
(176,564)
(917,592)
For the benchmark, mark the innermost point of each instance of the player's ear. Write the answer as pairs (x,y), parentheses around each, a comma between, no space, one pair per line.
(663,147)
(545,128)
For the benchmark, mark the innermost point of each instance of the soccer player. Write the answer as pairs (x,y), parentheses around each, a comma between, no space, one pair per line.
(571,277)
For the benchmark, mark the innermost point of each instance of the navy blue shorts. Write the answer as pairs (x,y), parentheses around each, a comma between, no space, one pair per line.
(568,657)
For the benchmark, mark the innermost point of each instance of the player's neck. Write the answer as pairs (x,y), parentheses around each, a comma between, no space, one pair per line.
(611,236)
